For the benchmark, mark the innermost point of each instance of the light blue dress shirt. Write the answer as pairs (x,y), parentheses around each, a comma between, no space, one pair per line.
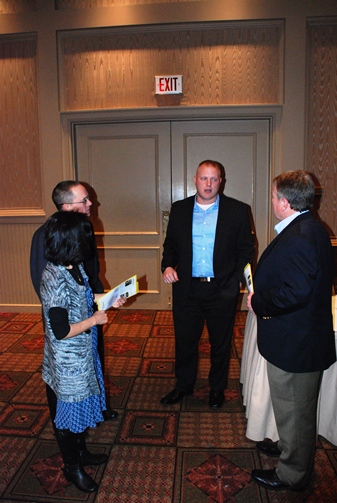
(203,237)
(286,221)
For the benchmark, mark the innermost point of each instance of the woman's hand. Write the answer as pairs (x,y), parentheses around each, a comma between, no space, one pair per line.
(119,302)
(100,317)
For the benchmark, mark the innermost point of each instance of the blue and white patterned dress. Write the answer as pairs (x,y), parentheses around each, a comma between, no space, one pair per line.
(78,416)
(74,413)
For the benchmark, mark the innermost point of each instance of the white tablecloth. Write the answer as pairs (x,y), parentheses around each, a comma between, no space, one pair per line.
(256,394)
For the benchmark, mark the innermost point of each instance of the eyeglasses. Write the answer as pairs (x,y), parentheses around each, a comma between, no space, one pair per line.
(84,201)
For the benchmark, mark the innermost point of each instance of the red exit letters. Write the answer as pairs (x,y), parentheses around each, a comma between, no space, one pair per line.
(171,84)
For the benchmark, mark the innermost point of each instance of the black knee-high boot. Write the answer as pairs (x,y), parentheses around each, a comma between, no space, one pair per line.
(86,457)
(73,469)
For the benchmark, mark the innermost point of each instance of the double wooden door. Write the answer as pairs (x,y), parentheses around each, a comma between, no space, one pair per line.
(137,169)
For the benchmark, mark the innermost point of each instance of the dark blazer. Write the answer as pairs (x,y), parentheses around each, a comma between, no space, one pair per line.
(233,247)
(38,263)
(292,300)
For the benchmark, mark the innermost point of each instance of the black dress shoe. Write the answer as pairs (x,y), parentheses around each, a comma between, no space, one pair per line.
(174,397)
(216,399)
(269,448)
(269,480)
(110,414)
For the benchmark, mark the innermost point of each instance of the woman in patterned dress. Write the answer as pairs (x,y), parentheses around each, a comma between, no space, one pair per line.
(71,365)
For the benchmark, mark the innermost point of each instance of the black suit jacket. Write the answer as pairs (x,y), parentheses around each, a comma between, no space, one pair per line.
(233,246)
(292,300)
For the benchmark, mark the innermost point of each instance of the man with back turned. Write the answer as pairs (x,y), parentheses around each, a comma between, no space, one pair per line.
(292,302)
(70,195)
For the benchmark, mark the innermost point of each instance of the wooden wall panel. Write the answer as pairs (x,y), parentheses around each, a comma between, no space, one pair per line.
(221,64)
(87,4)
(19,139)
(16,6)
(17,290)
(322,115)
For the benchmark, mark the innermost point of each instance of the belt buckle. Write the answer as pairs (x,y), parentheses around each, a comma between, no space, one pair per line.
(206,279)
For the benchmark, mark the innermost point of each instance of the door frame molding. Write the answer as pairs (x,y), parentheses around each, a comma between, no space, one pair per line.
(272,113)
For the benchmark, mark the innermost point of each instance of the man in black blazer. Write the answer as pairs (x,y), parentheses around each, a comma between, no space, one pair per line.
(207,245)
(69,195)
(292,301)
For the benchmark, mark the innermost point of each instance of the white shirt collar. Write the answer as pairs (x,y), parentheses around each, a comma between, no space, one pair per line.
(286,221)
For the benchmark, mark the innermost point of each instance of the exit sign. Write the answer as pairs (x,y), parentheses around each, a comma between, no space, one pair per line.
(169,84)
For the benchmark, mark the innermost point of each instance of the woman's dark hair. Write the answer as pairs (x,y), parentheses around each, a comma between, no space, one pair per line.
(69,238)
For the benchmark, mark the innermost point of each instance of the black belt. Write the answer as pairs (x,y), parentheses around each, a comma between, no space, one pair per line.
(207,279)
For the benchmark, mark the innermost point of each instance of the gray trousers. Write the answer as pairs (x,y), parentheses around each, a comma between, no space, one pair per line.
(294,397)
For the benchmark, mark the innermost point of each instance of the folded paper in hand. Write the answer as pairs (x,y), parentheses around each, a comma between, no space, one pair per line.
(247,272)
(126,289)
(334,312)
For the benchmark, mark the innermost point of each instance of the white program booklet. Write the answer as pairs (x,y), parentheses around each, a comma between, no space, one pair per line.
(334,312)
(127,289)
(247,272)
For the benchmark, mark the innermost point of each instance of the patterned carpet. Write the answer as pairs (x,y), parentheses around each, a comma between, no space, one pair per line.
(186,453)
